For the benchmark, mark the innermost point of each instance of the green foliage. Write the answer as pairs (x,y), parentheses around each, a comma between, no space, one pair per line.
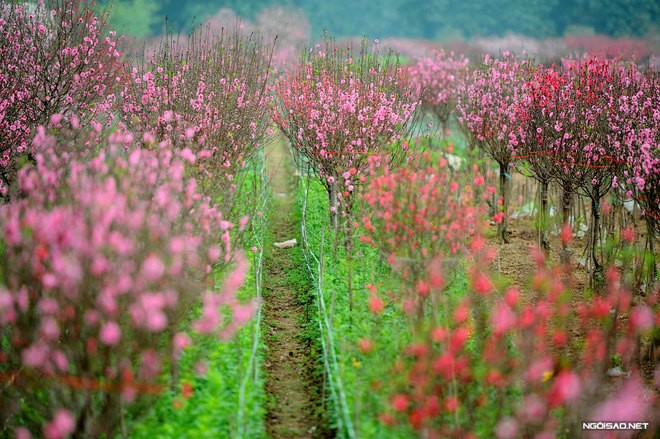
(211,410)
(432,19)
(138,18)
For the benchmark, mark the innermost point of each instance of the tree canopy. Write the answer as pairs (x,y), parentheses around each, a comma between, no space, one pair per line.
(412,18)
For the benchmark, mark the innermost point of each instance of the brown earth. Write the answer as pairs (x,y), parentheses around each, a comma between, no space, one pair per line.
(294,405)
(515,263)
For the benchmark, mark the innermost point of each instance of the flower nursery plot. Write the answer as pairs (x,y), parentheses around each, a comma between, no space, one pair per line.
(228,236)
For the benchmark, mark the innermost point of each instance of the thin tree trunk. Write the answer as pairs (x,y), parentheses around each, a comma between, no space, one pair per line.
(598,278)
(543,218)
(566,197)
(334,206)
(650,235)
(504,186)
(348,243)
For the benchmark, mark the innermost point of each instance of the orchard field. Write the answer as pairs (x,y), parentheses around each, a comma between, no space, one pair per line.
(239,234)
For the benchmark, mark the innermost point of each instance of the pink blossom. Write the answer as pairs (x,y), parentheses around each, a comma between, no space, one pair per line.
(23,433)
(481,283)
(56,118)
(243,222)
(180,342)
(153,268)
(641,318)
(566,388)
(227,243)
(629,404)
(156,320)
(62,425)
(214,253)
(502,318)
(36,355)
(507,428)
(400,402)
(50,329)
(110,333)
(188,155)
(628,235)
(60,360)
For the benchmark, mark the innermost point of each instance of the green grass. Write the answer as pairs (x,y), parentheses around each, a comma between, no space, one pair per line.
(215,409)
(364,377)
(212,410)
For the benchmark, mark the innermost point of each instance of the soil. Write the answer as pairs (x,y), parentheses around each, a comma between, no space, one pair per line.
(515,263)
(294,405)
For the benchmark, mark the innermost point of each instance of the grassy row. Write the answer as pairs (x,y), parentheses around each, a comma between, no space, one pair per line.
(228,398)
(362,377)
(368,377)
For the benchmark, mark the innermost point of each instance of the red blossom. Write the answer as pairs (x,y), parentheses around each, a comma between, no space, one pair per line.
(400,402)
(376,304)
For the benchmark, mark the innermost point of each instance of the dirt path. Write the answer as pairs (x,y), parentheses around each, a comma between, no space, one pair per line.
(293,401)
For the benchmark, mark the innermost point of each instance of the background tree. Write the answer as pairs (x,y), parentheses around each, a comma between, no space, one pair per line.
(139,18)
(54,59)
(487,113)
(435,19)
(338,109)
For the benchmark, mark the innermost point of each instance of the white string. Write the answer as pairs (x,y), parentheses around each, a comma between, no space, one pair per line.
(257,231)
(344,419)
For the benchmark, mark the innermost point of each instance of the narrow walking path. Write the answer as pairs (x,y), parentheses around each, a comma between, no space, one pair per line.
(293,406)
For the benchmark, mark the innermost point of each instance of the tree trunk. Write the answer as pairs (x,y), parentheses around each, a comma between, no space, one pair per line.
(566,197)
(598,278)
(543,218)
(650,236)
(334,206)
(348,244)
(502,231)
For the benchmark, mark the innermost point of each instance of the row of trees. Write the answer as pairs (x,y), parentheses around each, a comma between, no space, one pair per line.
(117,222)
(486,358)
(589,126)
(118,183)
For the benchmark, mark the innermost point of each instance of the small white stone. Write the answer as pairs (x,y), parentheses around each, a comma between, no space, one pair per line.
(286,244)
(614,372)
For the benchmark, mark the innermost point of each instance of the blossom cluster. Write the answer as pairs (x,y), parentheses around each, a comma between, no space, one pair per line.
(103,258)
(337,111)
(495,358)
(54,59)
(591,126)
(437,81)
(208,92)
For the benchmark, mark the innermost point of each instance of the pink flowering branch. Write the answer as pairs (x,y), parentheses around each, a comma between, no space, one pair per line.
(488,115)
(437,80)
(340,108)
(103,259)
(54,59)
(420,218)
(502,360)
(585,144)
(207,92)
